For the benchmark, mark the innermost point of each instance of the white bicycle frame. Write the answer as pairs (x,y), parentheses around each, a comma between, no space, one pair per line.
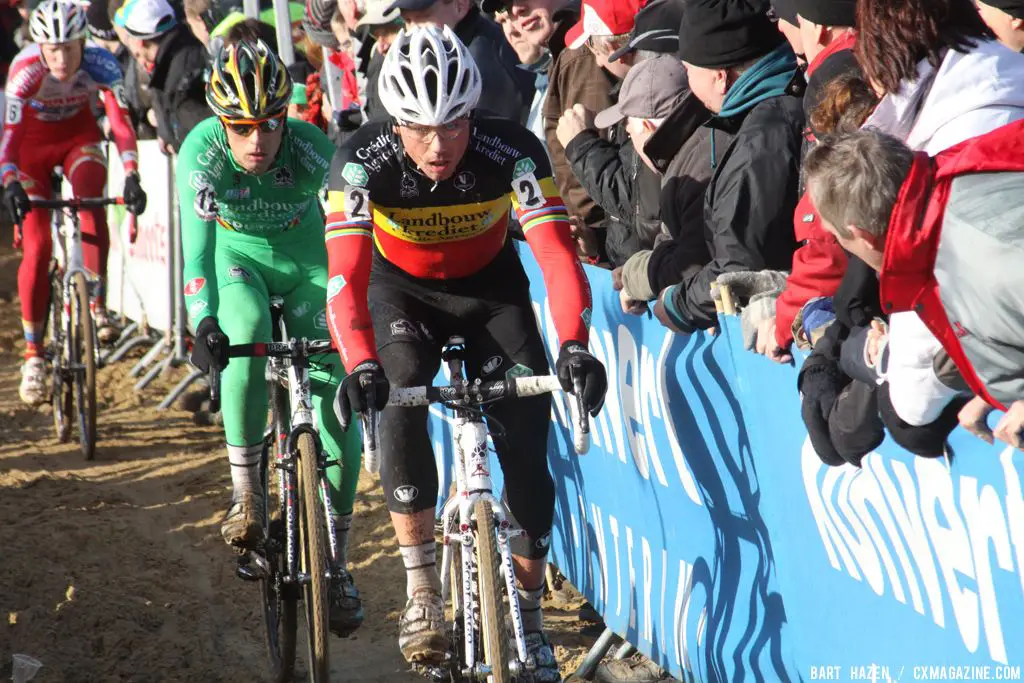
(473,483)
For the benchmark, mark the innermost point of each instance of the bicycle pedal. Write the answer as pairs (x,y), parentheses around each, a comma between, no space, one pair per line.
(432,672)
(252,567)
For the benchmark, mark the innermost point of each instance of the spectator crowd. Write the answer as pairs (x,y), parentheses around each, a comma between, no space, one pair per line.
(850,172)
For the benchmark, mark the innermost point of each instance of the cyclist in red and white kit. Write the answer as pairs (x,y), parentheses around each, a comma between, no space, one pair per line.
(51,90)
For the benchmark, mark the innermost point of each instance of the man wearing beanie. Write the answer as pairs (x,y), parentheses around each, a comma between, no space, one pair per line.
(175,61)
(789,25)
(1006,19)
(826,27)
(746,74)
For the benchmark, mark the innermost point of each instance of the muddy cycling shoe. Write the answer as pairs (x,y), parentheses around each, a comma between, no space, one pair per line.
(422,636)
(34,390)
(243,525)
(346,606)
(541,665)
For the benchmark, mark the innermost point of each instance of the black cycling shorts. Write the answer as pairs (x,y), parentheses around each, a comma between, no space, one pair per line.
(491,309)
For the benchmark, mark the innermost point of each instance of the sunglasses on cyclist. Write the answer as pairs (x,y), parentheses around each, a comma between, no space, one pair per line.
(245,128)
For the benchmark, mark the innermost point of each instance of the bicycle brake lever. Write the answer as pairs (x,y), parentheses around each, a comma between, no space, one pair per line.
(371,425)
(581,435)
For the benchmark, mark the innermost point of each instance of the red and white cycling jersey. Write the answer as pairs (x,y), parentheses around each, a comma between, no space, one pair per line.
(35,101)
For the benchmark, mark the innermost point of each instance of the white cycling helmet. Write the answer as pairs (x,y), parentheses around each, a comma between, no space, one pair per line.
(57,21)
(428,77)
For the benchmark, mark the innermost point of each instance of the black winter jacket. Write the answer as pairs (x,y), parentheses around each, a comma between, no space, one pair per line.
(615,177)
(749,204)
(688,152)
(177,84)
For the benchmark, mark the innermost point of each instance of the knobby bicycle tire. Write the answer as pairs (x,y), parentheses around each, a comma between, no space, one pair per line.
(492,605)
(83,353)
(314,554)
(280,602)
(60,389)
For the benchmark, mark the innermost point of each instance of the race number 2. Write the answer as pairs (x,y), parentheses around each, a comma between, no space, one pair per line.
(357,202)
(528,192)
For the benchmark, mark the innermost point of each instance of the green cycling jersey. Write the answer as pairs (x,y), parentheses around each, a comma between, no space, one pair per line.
(246,238)
(214,191)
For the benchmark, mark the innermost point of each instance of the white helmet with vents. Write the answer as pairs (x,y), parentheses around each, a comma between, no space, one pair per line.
(57,21)
(429,77)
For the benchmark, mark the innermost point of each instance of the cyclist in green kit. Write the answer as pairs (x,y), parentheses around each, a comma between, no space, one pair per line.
(252,227)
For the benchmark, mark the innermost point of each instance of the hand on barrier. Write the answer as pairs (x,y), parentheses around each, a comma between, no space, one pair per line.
(210,350)
(134,195)
(974,418)
(579,372)
(18,204)
(365,387)
(1011,427)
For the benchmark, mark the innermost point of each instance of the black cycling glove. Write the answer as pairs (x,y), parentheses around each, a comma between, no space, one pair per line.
(575,360)
(211,346)
(364,387)
(17,202)
(134,195)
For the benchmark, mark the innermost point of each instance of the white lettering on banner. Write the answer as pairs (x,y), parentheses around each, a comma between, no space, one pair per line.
(613,524)
(951,537)
(637,399)
(595,544)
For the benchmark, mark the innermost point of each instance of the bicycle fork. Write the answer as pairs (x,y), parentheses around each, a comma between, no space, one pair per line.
(473,482)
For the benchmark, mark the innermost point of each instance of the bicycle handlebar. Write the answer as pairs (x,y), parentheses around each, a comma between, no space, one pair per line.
(76,203)
(305,347)
(475,395)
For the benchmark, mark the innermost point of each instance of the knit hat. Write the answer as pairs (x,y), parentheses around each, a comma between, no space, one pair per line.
(841,13)
(1015,8)
(98,19)
(786,9)
(655,30)
(651,90)
(716,34)
(146,19)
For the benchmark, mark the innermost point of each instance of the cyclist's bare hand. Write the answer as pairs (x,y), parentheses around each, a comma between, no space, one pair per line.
(365,387)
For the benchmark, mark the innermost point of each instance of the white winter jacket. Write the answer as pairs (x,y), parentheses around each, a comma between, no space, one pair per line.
(969,94)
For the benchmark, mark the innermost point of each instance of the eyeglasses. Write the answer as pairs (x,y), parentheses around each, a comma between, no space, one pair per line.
(447,132)
(245,128)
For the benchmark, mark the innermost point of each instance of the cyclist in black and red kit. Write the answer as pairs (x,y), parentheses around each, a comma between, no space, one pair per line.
(418,251)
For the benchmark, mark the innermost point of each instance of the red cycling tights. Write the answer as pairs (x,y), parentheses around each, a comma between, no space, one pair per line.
(75,145)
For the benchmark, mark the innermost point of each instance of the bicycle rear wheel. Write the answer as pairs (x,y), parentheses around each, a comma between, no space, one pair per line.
(280,601)
(492,605)
(314,560)
(60,388)
(83,362)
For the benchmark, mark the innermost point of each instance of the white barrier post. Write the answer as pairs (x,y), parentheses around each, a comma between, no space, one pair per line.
(251,8)
(283,21)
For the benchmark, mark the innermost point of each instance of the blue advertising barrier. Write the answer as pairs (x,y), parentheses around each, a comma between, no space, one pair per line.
(705,530)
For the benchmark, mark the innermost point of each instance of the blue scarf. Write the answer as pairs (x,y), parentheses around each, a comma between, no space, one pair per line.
(767,78)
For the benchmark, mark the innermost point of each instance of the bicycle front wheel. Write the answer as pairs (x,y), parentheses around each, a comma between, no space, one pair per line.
(280,601)
(314,560)
(83,362)
(492,605)
(60,388)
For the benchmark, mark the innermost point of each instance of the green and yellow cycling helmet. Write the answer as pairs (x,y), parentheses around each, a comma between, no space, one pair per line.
(249,82)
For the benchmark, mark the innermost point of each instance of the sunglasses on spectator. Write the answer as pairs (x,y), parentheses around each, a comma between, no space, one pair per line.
(245,127)
(447,132)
